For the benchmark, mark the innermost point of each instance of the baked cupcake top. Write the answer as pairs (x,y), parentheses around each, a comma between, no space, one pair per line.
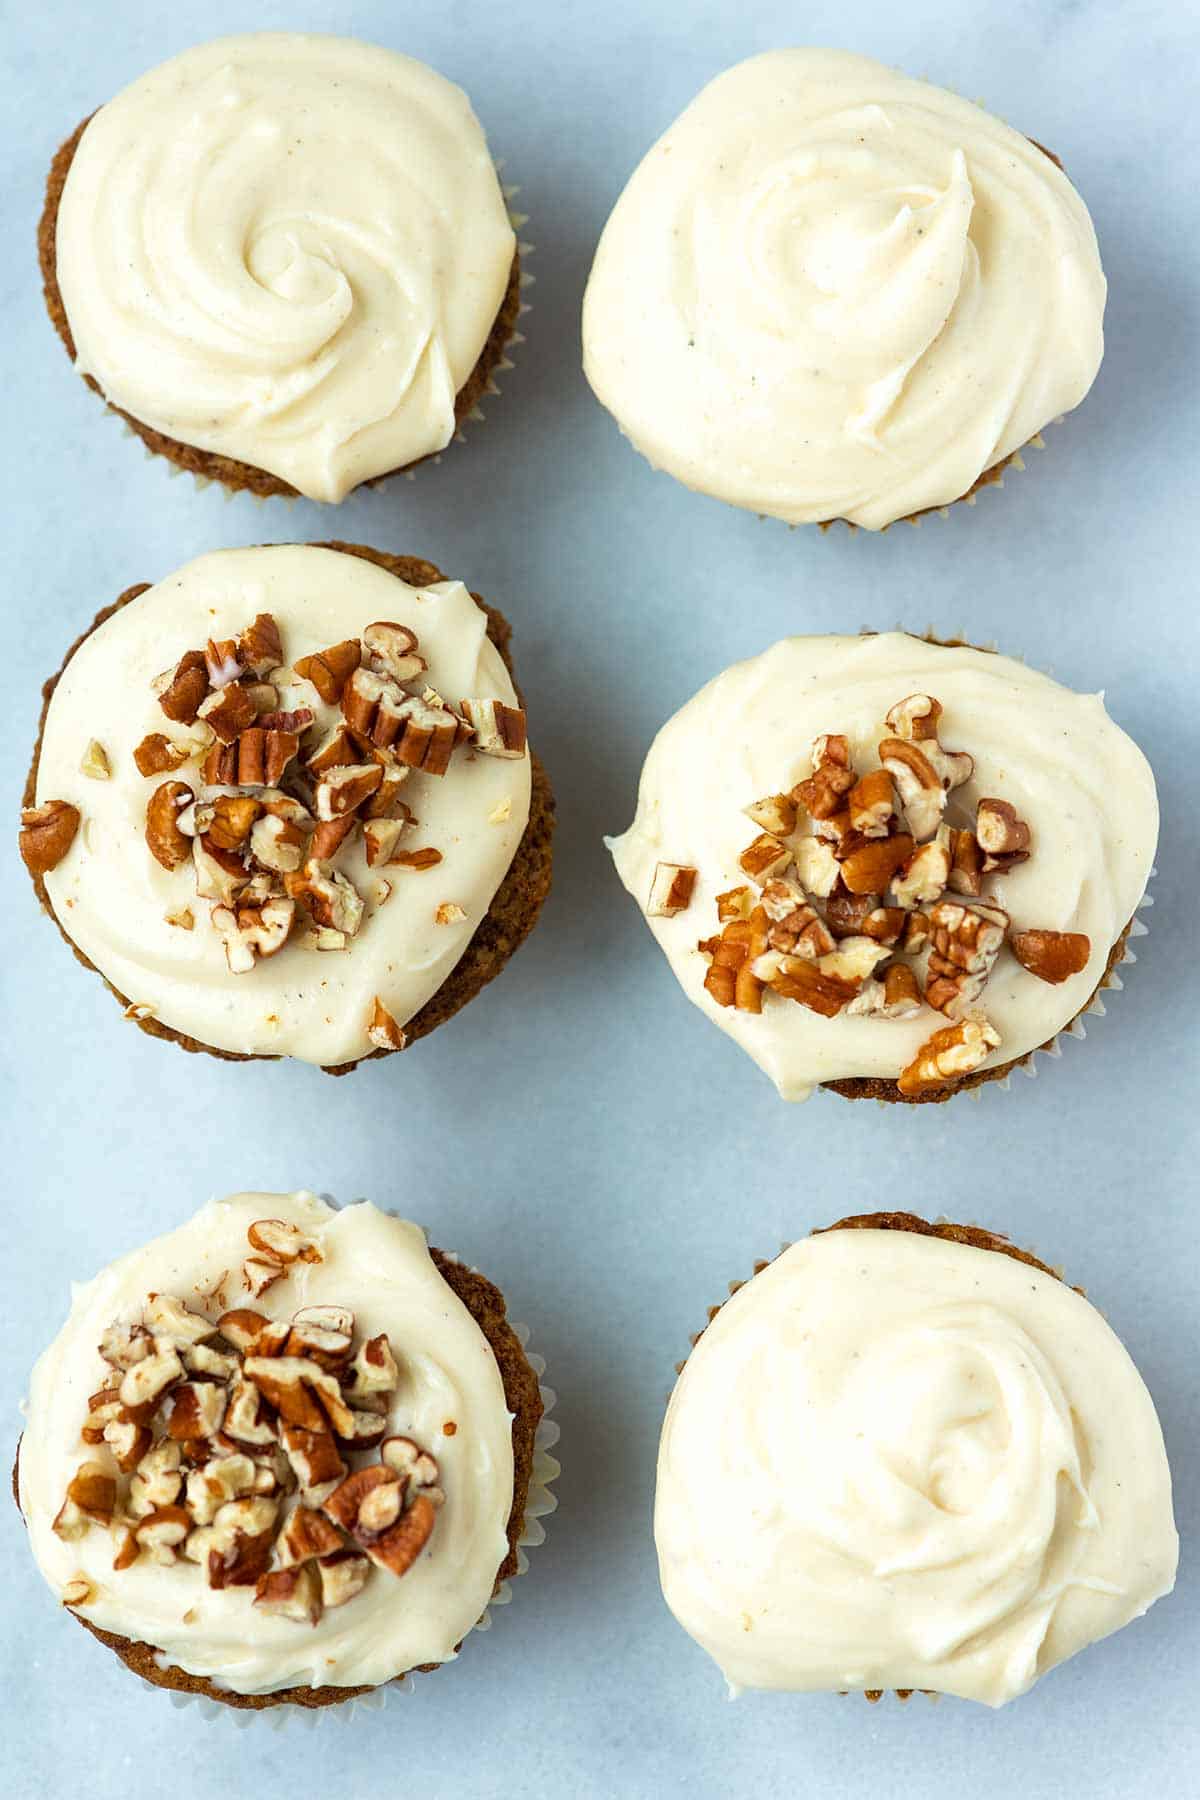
(830,291)
(287,249)
(895,1461)
(298,783)
(842,808)
(205,1512)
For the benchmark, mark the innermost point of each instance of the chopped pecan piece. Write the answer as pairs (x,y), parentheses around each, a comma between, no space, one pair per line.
(670,890)
(197,1410)
(307,1535)
(764,858)
(162,1532)
(344,788)
(382,1030)
(775,814)
(425,858)
(817,867)
(329,898)
(871,804)
(325,1334)
(953,1051)
(291,1593)
(282,1240)
(337,748)
(330,669)
(966,941)
(925,875)
(854,960)
(795,929)
(260,646)
(249,932)
(232,817)
(47,833)
(185,689)
(1002,836)
(871,866)
(1052,956)
(277,844)
(227,711)
(805,983)
(499,729)
(392,650)
(916,720)
(824,791)
(966,864)
(157,755)
(922,796)
(164,839)
(314,1456)
(343,1575)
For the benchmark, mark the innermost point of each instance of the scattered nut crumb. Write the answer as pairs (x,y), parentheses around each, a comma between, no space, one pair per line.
(78,1592)
(183,917)
(500,815)
(449,1428)
(95,762)
(139,1010)
(449,913)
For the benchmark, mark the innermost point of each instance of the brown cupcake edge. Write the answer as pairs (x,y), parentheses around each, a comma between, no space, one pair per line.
(210,465)
(515,905)
(522,1395)
(975,1237)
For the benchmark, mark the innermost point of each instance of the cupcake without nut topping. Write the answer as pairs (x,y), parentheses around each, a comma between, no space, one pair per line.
(890,867)
(285,260)
(318,831)
(305,1466)
(909,1456)
(830,291)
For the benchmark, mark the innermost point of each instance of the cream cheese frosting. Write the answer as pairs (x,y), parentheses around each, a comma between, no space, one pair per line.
(1082,785)
(380,1268)
(894,1461)
(830,291)
(287,249)
(113,899)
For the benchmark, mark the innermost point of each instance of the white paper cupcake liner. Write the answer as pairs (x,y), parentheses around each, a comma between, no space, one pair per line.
(475,417)
(539,1503)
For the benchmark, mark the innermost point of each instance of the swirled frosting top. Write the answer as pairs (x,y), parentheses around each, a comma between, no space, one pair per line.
(1083,786)
(286,249)
(894,1461)
(830,291)
(378,1267)
(114,900)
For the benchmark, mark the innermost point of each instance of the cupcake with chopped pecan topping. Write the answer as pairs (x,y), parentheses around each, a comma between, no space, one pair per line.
(909,1456)
(306,1459)
(890,867)
(318,831)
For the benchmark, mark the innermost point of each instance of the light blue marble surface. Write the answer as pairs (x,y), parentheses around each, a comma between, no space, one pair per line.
(582,1134)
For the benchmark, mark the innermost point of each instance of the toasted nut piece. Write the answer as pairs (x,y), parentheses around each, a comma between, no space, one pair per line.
(835,830)
(329,837)
(902,997)
(794,928)
(94,762)
(166,842)
(999,831)
(405,1458)
(775,814)
(220,766)
(426,858)
(202,1359)
(227,711)
(294,1386)
(385,802)
(735,903)
(804,982)
(670,890)
(222,662)
(329,898)
(241,1326)
(221,1479)
(401,1544)
(277,844)
(305,1536)
(499,729)
(237,1546)
(259,1273)
(157,755)
(966,941)
(916,933)
(272,1339)
(883,923)
(143,1386)
(128,1442)
(197,1410)
(379,1510)
(854,959)
(291,1593)
(157,1480)
(93,1491)
(871,804)
(922,795)
(847,914)
(102,1407)
(163,1531)
(260,646)
(47,833)
(916,718)
(966,863)
(344,1503)
(330,670)
(128,1551)
(343,1575)
(392,650)
(336,749)
(1052,956)
(375,1370)
(368,1429)
(122,1345)
(325,1334)
(953,1051)
(381,837)
(313,1455)
(232,817)
(824,791)
(924,876)
(343,789)
(185,689)
(249,932)
(245,1420)
(382,1030)
(78,1592)
(817,867)
(282,1240)
(166,1316)
(764,858)
(869,868)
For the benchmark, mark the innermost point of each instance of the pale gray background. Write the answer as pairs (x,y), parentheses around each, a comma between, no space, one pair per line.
(581,1132)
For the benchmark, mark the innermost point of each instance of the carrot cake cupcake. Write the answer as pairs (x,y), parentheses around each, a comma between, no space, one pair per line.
(909,1456)
(890,866)
(317,831)
(830,291)
(283,1454)
(284,259)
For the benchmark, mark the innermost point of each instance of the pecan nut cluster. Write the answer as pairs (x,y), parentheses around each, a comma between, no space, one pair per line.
(241,1444)
(866,895)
